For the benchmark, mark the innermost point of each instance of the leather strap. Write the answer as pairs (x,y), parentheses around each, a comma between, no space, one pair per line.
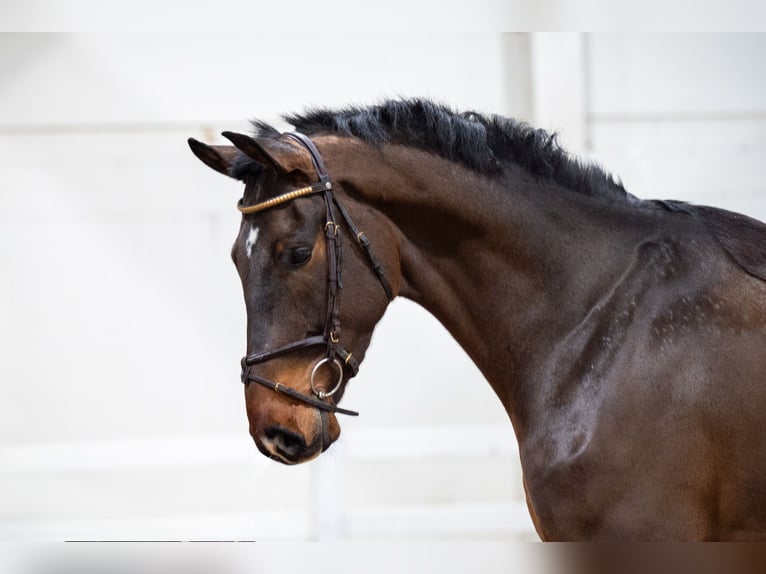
(284,198)
(364,244)
(298,396)
(346,357)
(316,157)
(326,437)
(256,358)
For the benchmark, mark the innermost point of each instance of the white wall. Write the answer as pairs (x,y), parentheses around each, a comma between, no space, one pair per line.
(122,316)
(682,116)
(121,320)
(675,116)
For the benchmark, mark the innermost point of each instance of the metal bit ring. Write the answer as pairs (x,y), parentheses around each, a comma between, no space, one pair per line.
(320,393)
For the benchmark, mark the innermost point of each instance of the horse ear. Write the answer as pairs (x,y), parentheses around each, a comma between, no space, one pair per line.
(282,156)
(218,157)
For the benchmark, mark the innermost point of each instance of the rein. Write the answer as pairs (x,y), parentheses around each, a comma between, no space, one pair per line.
(336,355)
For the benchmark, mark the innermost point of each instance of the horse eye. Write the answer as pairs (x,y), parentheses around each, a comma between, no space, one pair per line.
(300,255)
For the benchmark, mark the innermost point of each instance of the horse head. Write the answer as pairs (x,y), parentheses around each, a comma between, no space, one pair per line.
(312,302)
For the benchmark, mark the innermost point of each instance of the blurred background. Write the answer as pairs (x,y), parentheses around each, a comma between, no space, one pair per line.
(121,316)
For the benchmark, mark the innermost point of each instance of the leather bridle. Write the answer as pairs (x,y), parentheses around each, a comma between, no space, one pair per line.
(336,354)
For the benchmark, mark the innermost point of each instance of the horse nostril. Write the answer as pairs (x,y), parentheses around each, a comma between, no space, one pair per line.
(287,443)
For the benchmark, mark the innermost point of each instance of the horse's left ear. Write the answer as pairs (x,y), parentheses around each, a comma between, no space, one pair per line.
(218,157)
(283,156)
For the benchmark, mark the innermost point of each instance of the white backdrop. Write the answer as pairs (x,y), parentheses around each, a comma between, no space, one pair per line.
(121,319)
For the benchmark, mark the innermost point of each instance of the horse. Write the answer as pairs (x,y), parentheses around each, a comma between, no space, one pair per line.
(625,337)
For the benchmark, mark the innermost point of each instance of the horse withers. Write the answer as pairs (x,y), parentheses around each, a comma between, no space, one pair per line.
(624,337)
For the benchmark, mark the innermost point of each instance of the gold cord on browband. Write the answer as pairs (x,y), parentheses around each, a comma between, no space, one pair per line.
(285,197)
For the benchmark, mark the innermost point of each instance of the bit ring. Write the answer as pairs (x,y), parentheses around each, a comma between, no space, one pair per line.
(320,393)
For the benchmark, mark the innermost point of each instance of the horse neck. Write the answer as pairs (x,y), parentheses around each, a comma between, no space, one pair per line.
(506,264)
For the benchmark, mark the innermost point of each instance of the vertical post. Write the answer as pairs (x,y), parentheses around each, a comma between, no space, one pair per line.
(517,77)
(559,87)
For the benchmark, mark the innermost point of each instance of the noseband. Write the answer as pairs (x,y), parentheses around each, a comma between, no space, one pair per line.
(336,355)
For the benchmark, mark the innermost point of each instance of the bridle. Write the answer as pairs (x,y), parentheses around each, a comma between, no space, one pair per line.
(336,354)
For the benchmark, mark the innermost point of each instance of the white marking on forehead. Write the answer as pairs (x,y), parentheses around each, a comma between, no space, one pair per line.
(252,237)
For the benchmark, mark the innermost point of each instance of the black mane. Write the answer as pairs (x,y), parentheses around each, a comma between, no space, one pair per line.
(479,142)
(487,144)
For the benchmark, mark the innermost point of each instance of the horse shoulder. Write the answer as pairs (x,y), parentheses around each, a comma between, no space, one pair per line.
(613,396)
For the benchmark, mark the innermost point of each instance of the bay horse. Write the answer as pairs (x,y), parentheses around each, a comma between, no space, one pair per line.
(626,338)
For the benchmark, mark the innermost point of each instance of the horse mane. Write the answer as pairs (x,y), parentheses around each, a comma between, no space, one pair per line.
(483,143)
(489,143)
